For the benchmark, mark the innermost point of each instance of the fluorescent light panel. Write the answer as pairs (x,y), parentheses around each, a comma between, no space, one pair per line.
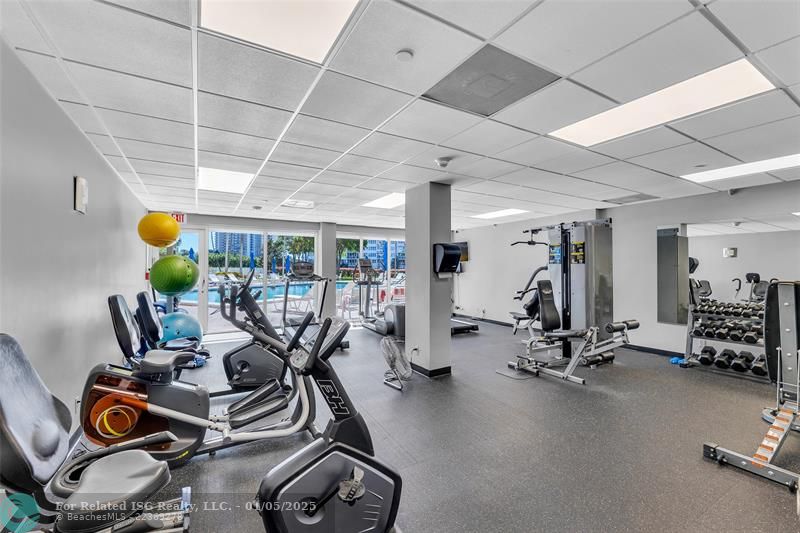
(302,28)
(500,214)
(300,204)
(797,214)
(215,179)
(745,169)
(390,201)
(711,89)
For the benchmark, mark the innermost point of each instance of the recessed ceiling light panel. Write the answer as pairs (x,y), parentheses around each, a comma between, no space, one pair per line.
(215,179)
(711,89)
(390,201)
(500,214)
(745,169)
(302,28)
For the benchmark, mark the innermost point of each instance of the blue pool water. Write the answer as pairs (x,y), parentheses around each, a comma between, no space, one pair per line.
(273,291)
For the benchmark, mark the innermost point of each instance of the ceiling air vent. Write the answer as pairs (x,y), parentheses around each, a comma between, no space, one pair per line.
(489,81)
(631,199)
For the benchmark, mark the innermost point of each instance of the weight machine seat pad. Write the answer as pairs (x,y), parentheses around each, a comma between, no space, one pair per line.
(548,312)
(518,317)
(569,334)
(163,361)
(119,483)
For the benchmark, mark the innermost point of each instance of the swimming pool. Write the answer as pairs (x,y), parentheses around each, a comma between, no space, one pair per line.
(273,291)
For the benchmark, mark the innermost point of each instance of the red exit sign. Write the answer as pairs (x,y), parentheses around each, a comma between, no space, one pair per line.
(180,218)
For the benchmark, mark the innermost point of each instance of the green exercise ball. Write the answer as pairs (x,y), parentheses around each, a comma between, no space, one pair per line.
(173,275)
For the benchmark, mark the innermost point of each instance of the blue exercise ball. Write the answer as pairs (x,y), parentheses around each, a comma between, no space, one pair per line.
(180,326)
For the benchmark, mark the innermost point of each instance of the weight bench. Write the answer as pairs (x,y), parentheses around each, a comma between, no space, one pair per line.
(590,352)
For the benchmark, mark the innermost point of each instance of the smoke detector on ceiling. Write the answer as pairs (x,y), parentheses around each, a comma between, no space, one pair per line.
(442,162)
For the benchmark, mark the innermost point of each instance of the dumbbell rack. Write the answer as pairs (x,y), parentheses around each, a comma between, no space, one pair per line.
(691,359)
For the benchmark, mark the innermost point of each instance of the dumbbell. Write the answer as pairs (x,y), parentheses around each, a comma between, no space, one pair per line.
(723,331)
(710,330)
(707,355)
(759,366)
(724,358)
(752,336)
(743,361)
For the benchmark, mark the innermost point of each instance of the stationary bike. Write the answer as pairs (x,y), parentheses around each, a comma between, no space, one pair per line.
(121,404)
(335,483)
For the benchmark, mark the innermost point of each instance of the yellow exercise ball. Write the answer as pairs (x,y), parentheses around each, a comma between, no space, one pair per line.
(159,230)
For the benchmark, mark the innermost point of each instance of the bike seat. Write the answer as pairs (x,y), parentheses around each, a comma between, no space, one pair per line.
(163,361)
(111,489)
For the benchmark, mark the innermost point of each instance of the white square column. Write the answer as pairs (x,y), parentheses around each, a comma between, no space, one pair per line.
(428,304)
(326,264)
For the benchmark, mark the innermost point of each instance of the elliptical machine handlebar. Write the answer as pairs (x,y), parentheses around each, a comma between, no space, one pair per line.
(296,338)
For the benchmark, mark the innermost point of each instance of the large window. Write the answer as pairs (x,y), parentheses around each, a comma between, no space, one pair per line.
(302,296)
(231,257)
(397,271)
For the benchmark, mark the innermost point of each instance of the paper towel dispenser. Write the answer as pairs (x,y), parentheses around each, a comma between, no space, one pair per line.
(446,257)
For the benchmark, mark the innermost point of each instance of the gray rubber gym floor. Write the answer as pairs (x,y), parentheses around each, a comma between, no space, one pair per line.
(480,452)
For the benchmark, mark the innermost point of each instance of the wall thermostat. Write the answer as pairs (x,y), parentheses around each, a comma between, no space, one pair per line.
(80,194)
(729,252)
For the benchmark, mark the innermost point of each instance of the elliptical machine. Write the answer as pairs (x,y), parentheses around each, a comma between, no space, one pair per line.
(251,364)
(335,483)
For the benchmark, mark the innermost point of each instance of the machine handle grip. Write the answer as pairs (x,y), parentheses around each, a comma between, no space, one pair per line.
(320,340)
(300,330)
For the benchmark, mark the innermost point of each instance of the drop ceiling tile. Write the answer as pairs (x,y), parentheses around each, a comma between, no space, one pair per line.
(118,164)
(386,186)
(759,23)
(104,144)
(248,73)
(631,177)
(114,90)
(429,122)
(228,162)
(555,35)
(790,174)
(652,140)
(390,147)
(412,174)
(327,190)
(242,117)
(795,90)
(275,183)
(165,181)
(538,196)
(387,27)
(790,222)
(672,54)
(553,107)
(574,162)
(228,142)
(179,11)
(356,164)
(165,193)
(106,36)
(784,60)
(458,162)
(327,134)
(352,101)
(482,18)
(458,181)
(488,168)
(685,159)
(548,181)
(762,142)
(156,152)
(741,182)
(18,29)
(48,72)
(761,109)
(217,198)
(292,172)
(143,166)
(537,150)
(488,138)
(83,116)
(150,129)
(298,154)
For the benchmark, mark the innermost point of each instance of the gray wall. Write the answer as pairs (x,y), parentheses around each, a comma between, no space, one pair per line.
(496,270)
(773,255)
(58,267)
